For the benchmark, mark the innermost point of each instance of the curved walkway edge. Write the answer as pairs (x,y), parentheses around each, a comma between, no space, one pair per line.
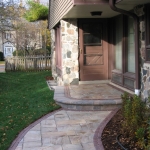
(98,133)
(24,131)
(64,130)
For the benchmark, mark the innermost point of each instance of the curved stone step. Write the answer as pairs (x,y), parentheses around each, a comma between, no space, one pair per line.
(66,102)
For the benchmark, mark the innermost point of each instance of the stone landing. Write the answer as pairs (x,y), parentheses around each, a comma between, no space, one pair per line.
(95,97)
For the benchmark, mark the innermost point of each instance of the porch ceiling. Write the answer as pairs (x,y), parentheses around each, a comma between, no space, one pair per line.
(83,11)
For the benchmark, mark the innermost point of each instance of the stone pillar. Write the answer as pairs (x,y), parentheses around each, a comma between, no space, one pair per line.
(70,66)
(69,57)
(145,67)
(53,63)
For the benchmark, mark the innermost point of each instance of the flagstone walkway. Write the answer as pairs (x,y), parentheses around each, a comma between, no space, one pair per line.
(68,129)
(64,130)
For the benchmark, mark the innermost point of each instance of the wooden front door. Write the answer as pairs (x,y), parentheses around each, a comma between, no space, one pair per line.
(93,47)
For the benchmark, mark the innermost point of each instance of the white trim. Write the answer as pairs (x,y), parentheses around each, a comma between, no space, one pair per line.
(137,92)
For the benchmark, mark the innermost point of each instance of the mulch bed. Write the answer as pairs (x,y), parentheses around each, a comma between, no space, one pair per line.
(49,78)
(112,130)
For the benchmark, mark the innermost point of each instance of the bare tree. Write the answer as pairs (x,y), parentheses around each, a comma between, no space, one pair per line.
(9,12)
(25,35)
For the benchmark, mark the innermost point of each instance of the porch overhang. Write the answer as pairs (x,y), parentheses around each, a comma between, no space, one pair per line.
(82,9)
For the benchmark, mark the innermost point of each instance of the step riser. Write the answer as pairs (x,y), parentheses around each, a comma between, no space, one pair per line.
(62,98)
(94,82)
(89,107)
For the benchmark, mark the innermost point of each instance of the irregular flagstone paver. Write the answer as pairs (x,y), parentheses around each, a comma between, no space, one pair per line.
(99,91)
(64,130)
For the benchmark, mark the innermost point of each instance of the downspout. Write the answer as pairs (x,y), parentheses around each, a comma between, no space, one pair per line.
(137,56)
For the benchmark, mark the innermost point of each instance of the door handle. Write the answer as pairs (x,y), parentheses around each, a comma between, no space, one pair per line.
(80,51)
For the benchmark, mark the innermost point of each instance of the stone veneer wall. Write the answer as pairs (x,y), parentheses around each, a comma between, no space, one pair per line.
(53,63)
(69,45)
(145,67)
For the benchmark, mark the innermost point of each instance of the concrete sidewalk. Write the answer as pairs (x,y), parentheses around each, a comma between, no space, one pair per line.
(2,68)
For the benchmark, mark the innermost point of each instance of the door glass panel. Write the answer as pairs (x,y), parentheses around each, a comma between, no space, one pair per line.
(92,33)
(91,39)
(118,43)
(131,47)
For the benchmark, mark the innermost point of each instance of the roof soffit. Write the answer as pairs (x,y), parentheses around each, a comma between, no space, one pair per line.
(82,8)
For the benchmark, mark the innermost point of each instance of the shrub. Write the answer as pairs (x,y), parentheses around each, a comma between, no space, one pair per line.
(41,52)
(48,48)
(32,52)
(136,120)
(1,56)
(20,53)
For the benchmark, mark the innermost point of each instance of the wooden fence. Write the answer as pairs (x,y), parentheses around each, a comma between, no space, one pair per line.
(27,63)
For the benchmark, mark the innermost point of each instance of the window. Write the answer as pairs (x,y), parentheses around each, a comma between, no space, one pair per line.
(7,35)
(8,51)
(130,46)
(58,48)
(124,52)
(147,19)
(118,43)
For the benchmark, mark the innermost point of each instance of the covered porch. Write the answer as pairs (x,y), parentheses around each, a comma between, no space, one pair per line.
(114,54)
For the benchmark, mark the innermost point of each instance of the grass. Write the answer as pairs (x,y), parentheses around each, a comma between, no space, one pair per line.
(2,62)
(24,97)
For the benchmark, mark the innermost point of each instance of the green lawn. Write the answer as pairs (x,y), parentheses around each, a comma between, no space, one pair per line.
(2,62)
(24,97)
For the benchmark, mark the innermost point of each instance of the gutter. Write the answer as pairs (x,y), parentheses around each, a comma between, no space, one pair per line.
(137,55)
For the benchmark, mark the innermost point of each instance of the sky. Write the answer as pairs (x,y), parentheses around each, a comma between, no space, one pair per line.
(45,2)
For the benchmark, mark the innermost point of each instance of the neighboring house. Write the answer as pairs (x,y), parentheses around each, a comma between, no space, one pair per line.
(101,40)
(26,37)
(1,42)
(8,43)
(8,49)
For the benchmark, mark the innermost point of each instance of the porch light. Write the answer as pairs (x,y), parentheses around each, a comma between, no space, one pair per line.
(96,13)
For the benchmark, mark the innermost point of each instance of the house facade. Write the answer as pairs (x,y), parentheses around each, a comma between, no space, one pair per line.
(10,40)
(101,40)
(8,49)
(7,43)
